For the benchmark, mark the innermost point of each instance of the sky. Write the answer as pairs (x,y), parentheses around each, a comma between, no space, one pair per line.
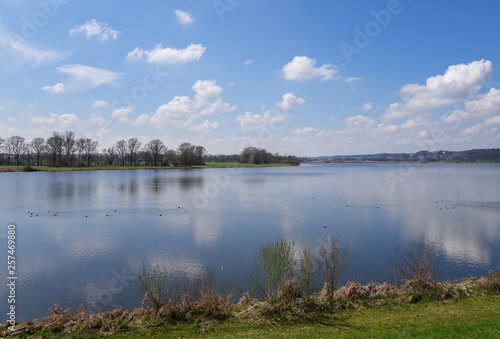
(308,78)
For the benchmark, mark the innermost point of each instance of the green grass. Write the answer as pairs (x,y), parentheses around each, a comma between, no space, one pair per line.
(472,317)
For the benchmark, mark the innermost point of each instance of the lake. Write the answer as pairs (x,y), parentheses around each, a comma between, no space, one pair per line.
(83,235)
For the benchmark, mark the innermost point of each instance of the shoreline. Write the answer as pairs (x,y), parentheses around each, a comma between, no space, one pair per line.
(21,168)
(372,310)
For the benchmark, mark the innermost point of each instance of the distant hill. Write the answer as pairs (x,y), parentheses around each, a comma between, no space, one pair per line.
(474,155)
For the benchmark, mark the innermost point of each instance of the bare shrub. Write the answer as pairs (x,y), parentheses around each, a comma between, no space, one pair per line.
(155,287)
(491,282)
(279,277)
(333,257)
(417,265)
(171,298)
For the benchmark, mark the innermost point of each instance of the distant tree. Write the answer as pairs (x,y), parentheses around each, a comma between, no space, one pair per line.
(69,145)
(133,146)
(245,155)
(90,150)
(186,152)
(18,147)
(55,148)
(171,157)
(38,147)
(80,149)
(121,149)
(2,146)
(155,149)
(8,150)
(199,153)
(109,155)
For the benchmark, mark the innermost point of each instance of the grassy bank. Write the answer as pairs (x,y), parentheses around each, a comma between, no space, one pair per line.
(111,168)
(472,314)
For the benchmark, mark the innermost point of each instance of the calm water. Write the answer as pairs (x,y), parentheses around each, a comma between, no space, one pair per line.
(102,225)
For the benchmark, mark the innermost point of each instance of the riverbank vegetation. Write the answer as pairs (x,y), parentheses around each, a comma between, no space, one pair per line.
(290,295)
(64,150)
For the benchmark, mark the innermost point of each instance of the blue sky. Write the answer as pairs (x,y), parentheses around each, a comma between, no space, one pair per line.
(296,77)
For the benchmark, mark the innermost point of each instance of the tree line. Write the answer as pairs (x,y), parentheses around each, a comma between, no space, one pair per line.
(65,150)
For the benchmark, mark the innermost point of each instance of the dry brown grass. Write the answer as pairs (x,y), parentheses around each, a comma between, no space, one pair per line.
(353,290)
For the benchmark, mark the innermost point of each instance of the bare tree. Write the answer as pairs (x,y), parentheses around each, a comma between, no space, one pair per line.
(38,147)
(2,146)
(418,264)
(333,257)
(69,146)
(133,145)
(121,149)
(185,153)
(8,150)
(18,147)
(90,148)
(55,148)
(109,155)
(155,148)
(80,149)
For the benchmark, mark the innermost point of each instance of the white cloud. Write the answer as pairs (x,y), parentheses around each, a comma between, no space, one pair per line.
(100,103)
(83,78)
(184,18)
(352,79)
(492,121)
(141,120)
(182,111)
(168,55)
(67,120)
(98,29)
(290,101)
(302,68)
(486,104)
(11,119)
(205,127)
(359,122)
(365,125)
(251,121)
(366,107)
(459,83)
(306,131)
(121,114)
(136,54)
(472,130)
(57,88)
(248,62)
(24,51)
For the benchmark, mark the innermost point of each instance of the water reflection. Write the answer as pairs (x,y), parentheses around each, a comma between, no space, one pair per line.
(108,221)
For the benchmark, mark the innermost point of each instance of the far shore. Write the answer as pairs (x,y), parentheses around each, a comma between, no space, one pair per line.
(12,168)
